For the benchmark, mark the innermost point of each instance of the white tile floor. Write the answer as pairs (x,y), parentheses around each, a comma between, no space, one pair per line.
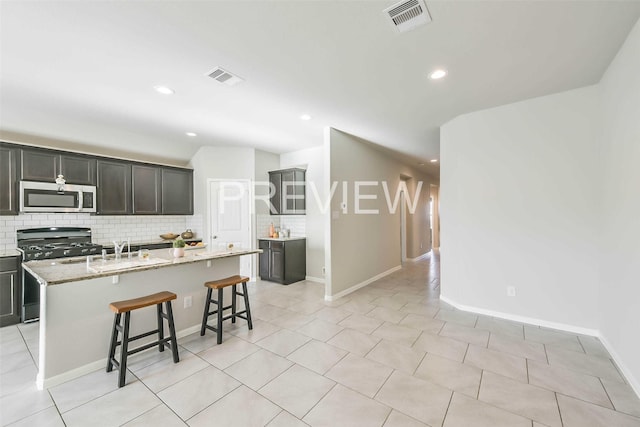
(389,354)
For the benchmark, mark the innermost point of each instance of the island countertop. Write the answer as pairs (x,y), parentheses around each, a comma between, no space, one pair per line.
(65,270)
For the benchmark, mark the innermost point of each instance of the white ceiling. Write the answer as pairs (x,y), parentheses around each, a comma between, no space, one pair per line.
(85,71)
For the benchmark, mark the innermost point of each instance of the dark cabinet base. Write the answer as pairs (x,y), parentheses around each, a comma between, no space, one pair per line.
(283,261)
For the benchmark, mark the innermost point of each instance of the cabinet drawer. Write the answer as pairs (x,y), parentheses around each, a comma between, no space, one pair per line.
(9,264)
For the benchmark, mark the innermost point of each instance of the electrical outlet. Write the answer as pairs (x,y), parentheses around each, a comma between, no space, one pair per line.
(188,301)
(511,291)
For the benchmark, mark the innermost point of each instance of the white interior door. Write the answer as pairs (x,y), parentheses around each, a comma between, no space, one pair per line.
(230,218)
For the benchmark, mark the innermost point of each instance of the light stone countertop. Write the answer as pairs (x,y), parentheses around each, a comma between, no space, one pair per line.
(9,253)
(65,270)
(281,239)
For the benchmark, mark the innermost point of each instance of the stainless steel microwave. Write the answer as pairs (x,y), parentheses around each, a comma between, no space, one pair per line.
(50,197)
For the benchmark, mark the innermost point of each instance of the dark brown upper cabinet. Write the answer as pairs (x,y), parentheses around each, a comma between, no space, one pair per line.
(8,181)
(289,197)
(177,191)
(114,188)
(46,165)
(147,189)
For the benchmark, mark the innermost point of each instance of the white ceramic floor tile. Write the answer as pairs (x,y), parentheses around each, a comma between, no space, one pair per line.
(258,369)
(22,404)
(113,409)
(285,419)
(162,374)
(417,398)
(465,412)
(396,333)
(229,352)
(77,392)
(354,341)
(361,323)
(396,356)
(320,330)
(283,342)
(242,407)
(442,346)
(317,356)
(158,416)
(297,390)
(465,334)
(343,407)
(46,418)
(398,419)
(448,373)
(498,362)
(577,413)
(359,374)
(191,395)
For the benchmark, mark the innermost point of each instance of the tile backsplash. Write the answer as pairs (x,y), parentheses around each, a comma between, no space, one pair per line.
(104,228)
(297,224)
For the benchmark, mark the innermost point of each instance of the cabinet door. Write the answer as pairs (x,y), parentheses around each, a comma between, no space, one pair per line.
(275,179)
(276,261)
(114,188)
(79,170)
(9,292)
(8,182)
(288,193)
(299,189)
(40,165)
(264,258)
(146,181)
(177,191)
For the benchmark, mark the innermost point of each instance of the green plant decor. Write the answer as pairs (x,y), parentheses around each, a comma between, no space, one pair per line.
(178,243)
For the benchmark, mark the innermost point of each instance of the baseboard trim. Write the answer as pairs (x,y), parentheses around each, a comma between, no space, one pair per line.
(94,366)
(421,257)
(361,284)
(625,371)
(314,279)
(523,319)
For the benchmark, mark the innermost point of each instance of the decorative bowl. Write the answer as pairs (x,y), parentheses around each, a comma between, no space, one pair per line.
(169,236)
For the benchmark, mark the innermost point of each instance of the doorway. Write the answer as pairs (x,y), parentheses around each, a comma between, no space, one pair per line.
(230,218)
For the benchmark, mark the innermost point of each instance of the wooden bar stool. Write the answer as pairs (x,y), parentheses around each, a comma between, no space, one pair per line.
(126,307)
(220,285)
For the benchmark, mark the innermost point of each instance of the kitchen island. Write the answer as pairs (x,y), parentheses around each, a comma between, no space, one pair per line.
(75,319)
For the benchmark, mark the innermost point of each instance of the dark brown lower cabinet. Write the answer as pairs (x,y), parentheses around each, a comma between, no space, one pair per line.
(9,290)
(283,261)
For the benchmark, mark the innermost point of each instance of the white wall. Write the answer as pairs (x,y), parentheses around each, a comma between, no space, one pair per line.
(217,163)
(311,159)
(619,196)
(519,206)
(363,246)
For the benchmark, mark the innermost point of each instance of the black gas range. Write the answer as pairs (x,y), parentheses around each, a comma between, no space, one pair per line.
(49,243)
(56,242)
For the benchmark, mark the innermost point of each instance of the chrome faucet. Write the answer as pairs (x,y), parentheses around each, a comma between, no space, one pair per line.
(119,247)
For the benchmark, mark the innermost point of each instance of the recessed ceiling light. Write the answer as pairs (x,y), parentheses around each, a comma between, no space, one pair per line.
(164,90)
(305,117)
(434,160)
(437,74)
(191,134)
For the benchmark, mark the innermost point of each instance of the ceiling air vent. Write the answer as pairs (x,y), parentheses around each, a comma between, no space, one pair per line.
(224,76)
(408,15)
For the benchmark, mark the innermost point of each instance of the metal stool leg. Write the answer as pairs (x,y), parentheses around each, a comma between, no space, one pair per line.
(246,304)
(114,340)
(160,327)
(172,331)
(220,310)
(205,316)
(124,349)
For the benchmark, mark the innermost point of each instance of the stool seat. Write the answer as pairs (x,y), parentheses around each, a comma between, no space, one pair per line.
(219,286)
(136,303)
(227,281)
(120,332)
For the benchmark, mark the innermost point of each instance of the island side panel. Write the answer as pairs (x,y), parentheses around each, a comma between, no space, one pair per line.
(77,319)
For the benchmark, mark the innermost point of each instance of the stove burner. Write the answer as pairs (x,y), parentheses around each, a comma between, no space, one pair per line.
(56,243)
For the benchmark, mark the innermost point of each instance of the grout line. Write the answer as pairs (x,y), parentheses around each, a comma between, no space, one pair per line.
(607,393)
(480,384)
